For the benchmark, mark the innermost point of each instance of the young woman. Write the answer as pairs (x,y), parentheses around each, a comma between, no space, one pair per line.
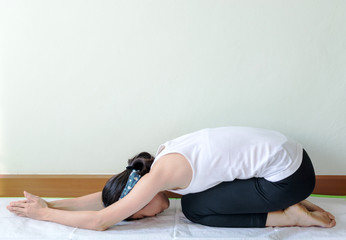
(229,177)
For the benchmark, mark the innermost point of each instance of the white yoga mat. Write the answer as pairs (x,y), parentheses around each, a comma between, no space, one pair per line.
(169,225)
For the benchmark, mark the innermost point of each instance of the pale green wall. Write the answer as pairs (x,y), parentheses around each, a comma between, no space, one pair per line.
(87,84)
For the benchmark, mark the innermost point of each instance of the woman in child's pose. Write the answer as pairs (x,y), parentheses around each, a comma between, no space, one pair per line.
(229,177)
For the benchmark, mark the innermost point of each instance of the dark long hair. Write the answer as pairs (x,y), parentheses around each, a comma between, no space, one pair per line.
(115,185)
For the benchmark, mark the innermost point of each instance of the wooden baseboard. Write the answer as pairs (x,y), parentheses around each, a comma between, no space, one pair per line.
(79,185)
(330,185)
(51,185)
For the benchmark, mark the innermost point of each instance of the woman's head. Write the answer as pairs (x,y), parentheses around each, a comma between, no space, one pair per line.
(157,205)
(115,185)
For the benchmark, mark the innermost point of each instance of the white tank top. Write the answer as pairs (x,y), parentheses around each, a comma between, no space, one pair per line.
(223,154)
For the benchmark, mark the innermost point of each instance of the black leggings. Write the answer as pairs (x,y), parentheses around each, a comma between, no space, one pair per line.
(246,203)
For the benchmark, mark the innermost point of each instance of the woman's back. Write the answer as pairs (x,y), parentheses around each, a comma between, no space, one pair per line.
(224,154)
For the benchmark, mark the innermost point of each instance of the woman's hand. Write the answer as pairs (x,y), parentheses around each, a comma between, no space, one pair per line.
(33,207)
(36,208)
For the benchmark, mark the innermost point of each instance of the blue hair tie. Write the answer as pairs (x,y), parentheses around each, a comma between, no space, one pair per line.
(131,182)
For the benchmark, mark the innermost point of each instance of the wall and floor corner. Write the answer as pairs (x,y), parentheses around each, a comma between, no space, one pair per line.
(80,185)
(85,85)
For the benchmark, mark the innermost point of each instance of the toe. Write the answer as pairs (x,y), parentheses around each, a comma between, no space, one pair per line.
(332,224)
(331,216)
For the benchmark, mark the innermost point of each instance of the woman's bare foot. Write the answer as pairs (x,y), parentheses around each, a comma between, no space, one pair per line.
(312,207)
(303,217)
(298,215)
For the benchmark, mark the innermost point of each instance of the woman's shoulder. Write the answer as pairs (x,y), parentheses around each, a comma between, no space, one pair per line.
(171,161)
(174,169)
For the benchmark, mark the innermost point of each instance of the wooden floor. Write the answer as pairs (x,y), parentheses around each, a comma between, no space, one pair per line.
(78,185)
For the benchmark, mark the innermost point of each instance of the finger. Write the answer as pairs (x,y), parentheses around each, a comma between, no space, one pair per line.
(10,208)
(16,210)
(20,214)
(20,201)
(19,204)
(30,197)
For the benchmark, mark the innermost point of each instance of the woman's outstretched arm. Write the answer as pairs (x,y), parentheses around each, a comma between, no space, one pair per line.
(164,175)
(92,202)
(36,208)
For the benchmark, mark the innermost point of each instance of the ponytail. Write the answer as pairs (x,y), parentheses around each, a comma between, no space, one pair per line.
(115,185)
(141,162)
